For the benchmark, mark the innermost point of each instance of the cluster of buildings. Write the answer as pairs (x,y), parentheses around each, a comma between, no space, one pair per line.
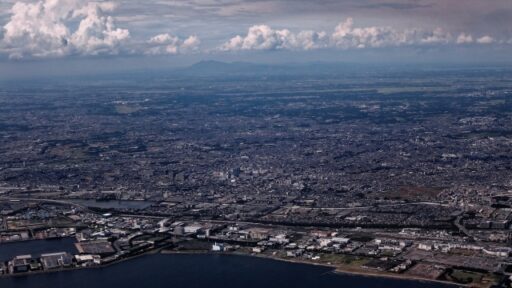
(414,182)
(321,151)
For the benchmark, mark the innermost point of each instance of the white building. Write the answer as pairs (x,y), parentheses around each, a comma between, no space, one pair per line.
(218,247)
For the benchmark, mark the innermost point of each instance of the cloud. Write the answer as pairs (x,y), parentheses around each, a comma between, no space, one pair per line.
(96,33)
(309,40)
(436,36)
(191,43)
(263,37)
(464,38)
(58,28)
(260,37)
(42,29)
(344,36)
(485,40)
(169,44)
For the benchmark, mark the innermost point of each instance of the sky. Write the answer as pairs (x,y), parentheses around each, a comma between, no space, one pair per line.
(73,36)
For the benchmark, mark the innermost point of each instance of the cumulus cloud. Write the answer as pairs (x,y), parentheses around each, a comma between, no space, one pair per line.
(345,36)
(169,44)
(436,36)
(96,32)
(42,29)
(260,37)
(263,37)
(464,38)
(56,28)
(485,40)
(309,39)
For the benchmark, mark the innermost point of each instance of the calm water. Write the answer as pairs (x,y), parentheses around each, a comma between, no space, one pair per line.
(114,204)
(177,271)
(36,248)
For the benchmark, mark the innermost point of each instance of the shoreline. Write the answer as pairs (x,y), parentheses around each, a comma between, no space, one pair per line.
(334,269)
(105,265)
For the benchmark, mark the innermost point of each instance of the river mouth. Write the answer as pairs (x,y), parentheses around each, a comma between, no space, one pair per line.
(207,270)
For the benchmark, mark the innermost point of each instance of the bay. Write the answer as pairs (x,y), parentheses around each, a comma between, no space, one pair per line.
(207,270)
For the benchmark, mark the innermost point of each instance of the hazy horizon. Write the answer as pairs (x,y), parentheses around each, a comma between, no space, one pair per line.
(61,37)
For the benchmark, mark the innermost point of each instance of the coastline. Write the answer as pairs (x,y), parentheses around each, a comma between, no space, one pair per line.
(334,269)
(105,265)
